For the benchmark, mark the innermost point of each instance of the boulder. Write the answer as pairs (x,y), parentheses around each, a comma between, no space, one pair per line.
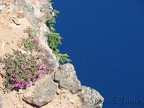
(66,77)
(90,98)
(42,93)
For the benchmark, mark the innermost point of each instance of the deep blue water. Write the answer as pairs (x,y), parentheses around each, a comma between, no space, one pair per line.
(105,40)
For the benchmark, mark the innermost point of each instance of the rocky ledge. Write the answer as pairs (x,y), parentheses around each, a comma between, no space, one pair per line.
(60,88)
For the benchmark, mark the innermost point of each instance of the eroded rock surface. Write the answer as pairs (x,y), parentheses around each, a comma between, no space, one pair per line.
(66,77)
(42,93)
(90,98)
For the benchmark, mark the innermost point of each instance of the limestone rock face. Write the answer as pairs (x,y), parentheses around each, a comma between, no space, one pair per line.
(36,11)
(66,76)
(42,93)
(90,98)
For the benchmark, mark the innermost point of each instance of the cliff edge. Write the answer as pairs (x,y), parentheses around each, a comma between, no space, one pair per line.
(30,73)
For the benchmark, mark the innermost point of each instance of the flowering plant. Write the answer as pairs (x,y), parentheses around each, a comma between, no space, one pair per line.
(22,70)
(31,43)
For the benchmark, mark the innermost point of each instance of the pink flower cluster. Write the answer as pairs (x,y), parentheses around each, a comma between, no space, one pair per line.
(42,66)
(19,83)
(21,71)
(36,41)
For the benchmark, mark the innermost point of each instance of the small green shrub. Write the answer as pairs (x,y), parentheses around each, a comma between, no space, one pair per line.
(22,70)
(54,39)
(56,12)
(50,24)
(32,42)
(63,58)
(31,32)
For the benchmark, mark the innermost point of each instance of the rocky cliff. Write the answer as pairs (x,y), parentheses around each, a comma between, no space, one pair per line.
(57,87)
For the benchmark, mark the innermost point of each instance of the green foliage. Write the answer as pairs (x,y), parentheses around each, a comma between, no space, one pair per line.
(22,70)
(31,43)
(52,21)
(54,39)
(56,12)
(50,24)
(63,58)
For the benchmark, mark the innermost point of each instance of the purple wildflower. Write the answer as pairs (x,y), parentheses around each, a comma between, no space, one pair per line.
(12,70)
(37,63)
(39,73)
(33,57)
(36,41)
(12,79)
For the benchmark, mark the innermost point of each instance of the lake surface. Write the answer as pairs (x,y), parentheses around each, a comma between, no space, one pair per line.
(105,40)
